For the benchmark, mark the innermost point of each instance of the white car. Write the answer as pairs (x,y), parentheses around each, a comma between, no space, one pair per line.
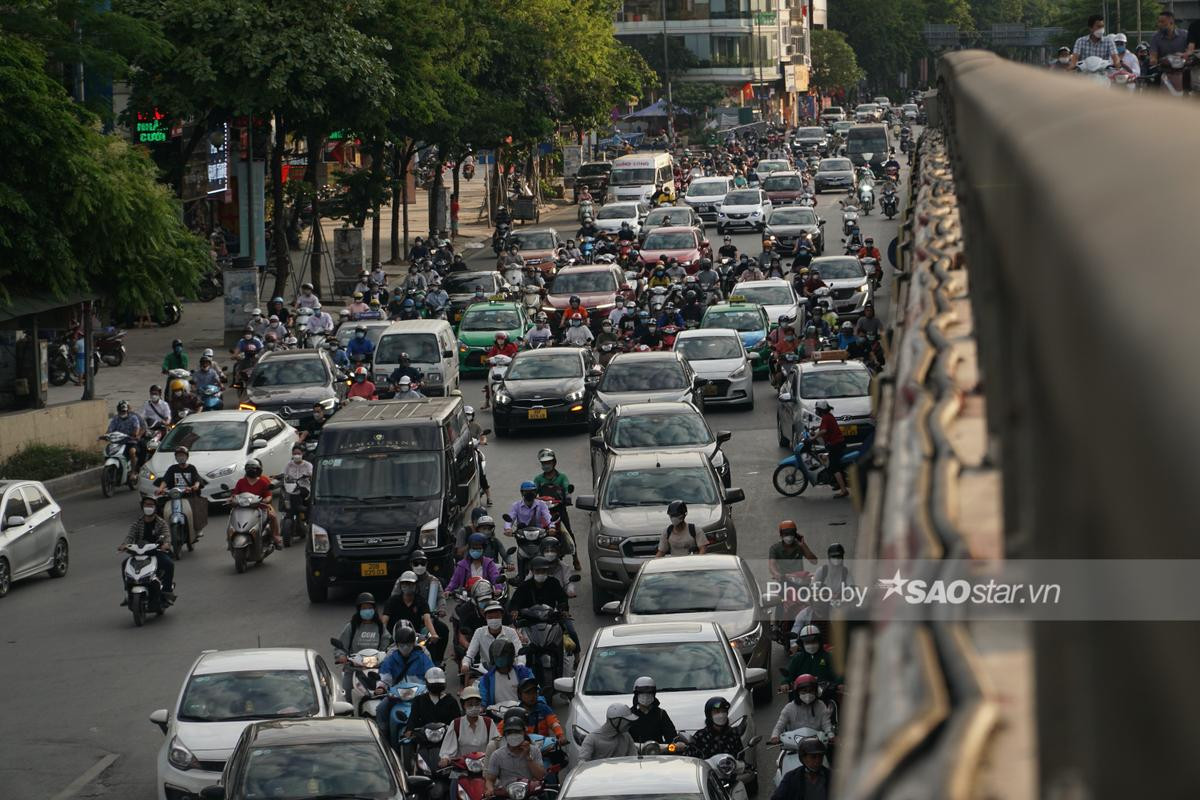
(638,778)
(706,195)
(33,538)
(848,284)
(775,295)
(223,693)
(689,661)
(219,443)
(743,208)
(611,215)
(718,356)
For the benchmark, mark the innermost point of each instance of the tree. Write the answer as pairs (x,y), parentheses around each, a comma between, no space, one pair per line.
(834,64)
(696,96)
(950,12)
(81,211)
(1072,15)
(886,35)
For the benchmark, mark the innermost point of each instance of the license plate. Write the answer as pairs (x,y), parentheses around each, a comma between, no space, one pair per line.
(295,423)
(537,413)
(373,569)
(849,430)
(709,390)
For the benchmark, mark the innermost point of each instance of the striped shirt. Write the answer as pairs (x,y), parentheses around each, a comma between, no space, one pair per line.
(1086,47)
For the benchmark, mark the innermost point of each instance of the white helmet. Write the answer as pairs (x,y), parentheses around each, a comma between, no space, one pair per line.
(408,576)
(809,630)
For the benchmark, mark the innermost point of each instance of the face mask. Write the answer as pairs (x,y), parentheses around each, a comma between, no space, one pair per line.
(177,349)
(514,739)
(297,458)
(548,467)
(156,397)
(540,577)
(473,711)
(789,539)
(437,688)
(645,699)
(812,647)
(837,561)
(1064,60)
(149,510)
(1120,48)
(367,613)
(575,323)
(1099,32)
(475,554)
(676,520)
(420,569)
(621,725)
(360,335)
(720,719)
(181,460)
(528,497)
(494,624)
(405,649)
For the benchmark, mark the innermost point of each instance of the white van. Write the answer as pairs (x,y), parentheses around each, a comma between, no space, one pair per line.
(431,348)
(638,177)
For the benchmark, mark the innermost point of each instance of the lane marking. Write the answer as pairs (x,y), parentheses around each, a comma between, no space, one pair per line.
(86,778)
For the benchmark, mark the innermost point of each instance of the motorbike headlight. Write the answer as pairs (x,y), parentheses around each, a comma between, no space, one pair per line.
(222,472)
(747,641)
(517,790)
(320,539)
(180,757)
(407,693)
(148,475)
(429,534)
(369,662)
(608,542)
(329,403)
(574,396)
(503,399)
(740,372)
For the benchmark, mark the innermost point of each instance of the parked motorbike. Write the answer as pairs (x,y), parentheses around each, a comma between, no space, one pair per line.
(116,469)
(247,535)
(110,344)
(143,587)
(61,362)
(211,286)
(803,467)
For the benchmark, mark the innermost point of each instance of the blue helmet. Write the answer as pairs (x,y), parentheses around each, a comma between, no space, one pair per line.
(409,303)
(528,486)
(477,538)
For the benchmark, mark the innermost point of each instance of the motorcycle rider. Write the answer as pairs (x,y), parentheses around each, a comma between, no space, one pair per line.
(830,434)
(254,482)
(320,321)
(130,424)
(300,471)
(407,663)
(868,323)
(670,316)
(156,411)
(787,555)
(176,359)
(805,710)
(680,537)
(662,197)
(626,234)
(869,250)
(675,270)
(716,736)
(408,606)
(653,723)
(529,510)
(651,337)
(812,776)
(362,386)
(606,335)
(541,335)
(470,733)
(278,309)
(728,250)
(474,563)
(810,658)
(358,306)
(150,527)
(420,251)
(783,345)
(587,229)
(501,346)
(364,631)
(1095,43)
(517,759)
(612,739)
(846,338)
(574,310)
(437,300)
(552,483)
(181,399)
(207,375)
(405,369)
(493,629)
(577,334)
(499,684)
(436,705)
(833,573)
(405,390)
(312,427)
(1063,60)
(659,276)
(693,309)
(540,589)
(275,326)
(306,298)
(539,716)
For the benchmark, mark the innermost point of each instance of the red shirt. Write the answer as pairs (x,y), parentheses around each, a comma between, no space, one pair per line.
(365,389)
(831,430)
(509,349)
(569,313)
(259,486)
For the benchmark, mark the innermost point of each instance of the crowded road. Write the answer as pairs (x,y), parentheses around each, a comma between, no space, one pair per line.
(81,679)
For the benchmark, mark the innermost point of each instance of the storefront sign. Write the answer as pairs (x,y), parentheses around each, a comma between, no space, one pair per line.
(218,159)
(765,18)
(152,127)
(789,78)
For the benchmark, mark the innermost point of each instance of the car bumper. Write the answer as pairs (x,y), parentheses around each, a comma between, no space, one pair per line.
(614,570)
(341,567)
(749,222)
(832,184)
(727,391)
(561,413)
(177,784)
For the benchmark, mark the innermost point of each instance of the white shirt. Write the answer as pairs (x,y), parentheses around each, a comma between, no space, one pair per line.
(481,645)
(1131,63)
(506,687)
(153,412)
(306,301)
(320,322)
(470,738)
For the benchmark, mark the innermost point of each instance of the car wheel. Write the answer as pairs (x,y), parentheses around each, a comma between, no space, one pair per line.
(61,560)
(318,589)
(5,578)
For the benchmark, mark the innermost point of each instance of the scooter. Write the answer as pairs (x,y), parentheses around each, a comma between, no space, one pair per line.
(183,530)
(497,369)
(111,346)
(888,202)
(802,467)
(247,536)
(874,272)
(210,398)
(404,692)
(422,756)
(586,209)
(739,778)
(467,773)
(529,545)
(789,749)
(541,627)
(295,521)
(364,666)
(116,463)
(866,198)
(849,219)
(143,588)
(531,298)
(790,606)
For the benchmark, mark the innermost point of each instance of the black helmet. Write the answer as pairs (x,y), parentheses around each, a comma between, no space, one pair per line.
(514,720)
(712,704)
(405,635)
(812,746)
(181,451)
(501,647)
(550,543)
(706,263)
(678,508)
(366,598)
(539,562)
(527,683)
(177,343)
(836,550)
(122,406)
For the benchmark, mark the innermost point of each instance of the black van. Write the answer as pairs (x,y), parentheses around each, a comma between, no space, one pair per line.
(390,477)
(862,140)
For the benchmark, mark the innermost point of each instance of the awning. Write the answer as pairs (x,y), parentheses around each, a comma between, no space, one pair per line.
(21,306)
(656,109)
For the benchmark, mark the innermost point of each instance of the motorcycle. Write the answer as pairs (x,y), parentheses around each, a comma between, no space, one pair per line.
(210,398)
(739,778)
(181,522)
(587,246)
(529,545)
(295,519)
(866,198)
(499,237)
(61,362)
(531,298)
(116,469)
(211,286)
(541,627)
(111,346)
(422,749)
(889,203)
(849,218)
(247,535)
(586,209)
(874,272)
(143,587)
(168,315)
(466,772)
(497,369)
(404,693)
(790,606)
(669,332)
(607,351)
(803,467)
(789,749)
(364,668)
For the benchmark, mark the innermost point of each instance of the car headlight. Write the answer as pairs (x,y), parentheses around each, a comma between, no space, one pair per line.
(433,377)
(320,539)
(865,286)
(574,396)
(503,399)
(740,372)
(180,757)
(222,472)
(716,533)
(429,534)
(607,542)
(755,213)
(747,641)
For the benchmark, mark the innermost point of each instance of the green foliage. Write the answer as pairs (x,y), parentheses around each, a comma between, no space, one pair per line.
(834,64)
(1072,15)
(886,35)
(81,211)
(697,97)
(43,462)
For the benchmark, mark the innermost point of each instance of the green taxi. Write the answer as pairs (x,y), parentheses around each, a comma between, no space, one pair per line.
(479,326)
(751,322)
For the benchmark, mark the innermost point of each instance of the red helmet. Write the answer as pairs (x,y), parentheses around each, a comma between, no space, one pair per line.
(804,680)
(501,336)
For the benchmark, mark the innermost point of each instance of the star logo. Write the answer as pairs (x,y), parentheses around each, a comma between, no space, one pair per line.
(893,585)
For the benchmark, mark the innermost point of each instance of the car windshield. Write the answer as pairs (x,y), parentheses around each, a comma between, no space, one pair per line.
(661,430)
(532,240)
(834,165)
(707,188)
(584,282)
(534,368)
(617,211)
(826,384)
(691,591)
(794,216)
(290,372)
(631,375)
(771,166)
(866,107)
(674,666)
(382,477)
(743,199)
(810,133)
(858,143)
(422,348)
(202,437)
(783,183)
(766,295)
(631,176)
(591,170)
(741,321)
(840,268)
(681,240)
(346,332)
(658,487)
(322,769)
(709,348)
(668,216)
(465,284)
(834,110)
(224,696)
(484,318)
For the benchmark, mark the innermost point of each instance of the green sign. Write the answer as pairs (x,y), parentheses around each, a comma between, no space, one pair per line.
(152,127)
(765,17)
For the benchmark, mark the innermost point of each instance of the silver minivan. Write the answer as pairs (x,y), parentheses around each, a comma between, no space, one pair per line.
(431,348)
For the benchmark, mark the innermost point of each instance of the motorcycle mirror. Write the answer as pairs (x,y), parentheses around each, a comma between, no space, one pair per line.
(506,517)
(570,488)
(487,431)
(575,579)
(336,642)
(418,784)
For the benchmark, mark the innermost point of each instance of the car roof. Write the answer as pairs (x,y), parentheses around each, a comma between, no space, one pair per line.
(231,415)
(294,354)
(491,304)
(784,173)
(701,561)
(632,633)
(310,731)
(416,326)
(259,658)
(698,333)
(658,355)
(831,260)
(654,459)
(549,352)
(660,407)
(760,284)
(674,229)
(523,231)
(594,267)
(644,775)
(850,364)
(734,307)
(712,179)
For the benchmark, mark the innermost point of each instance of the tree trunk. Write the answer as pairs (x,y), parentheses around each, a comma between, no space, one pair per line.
(434,196)
(397,254)
(405,161)
(279,245)
(315,143)
(377,167)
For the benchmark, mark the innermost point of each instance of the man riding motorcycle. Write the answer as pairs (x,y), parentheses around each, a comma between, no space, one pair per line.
(652,723)
(492,630)
(150,527)
(254,482)
(364,631)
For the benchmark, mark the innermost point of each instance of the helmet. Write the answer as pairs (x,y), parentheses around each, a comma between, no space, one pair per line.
(539,562)
(405,380)
(418,555)
(502,647)
(812,746)
(574,300)
(344,314)
(408,576)
(208,353)
(714,703)
(847,326)
(527,683)
(360,374)
(365,598)
(870,240)
(677,508)
(178,385)
(550,543)
(469,411)
(810,330)
(477,538)
(253,468)
(179,342)
(823,406)
(514,718)
(405,635)
(485,522)
(546,454)
(501,336)
(155,388)
(358,295)
(360,328)
(481,590)
(470,693)
(728,238)
(181,451)
(787,526)
(541,318)
(809,631)
(836,550)
(645,684)
(435,675)
(528,486)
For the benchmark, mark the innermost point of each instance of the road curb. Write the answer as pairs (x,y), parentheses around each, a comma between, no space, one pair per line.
(76,481)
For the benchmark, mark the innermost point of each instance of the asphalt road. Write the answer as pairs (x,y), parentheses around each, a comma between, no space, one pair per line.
(79,680)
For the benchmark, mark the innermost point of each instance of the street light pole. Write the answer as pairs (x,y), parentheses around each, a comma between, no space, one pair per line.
(667,76)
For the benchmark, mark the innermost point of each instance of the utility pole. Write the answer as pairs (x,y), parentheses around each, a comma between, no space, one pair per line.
(667,76)
(1139,22)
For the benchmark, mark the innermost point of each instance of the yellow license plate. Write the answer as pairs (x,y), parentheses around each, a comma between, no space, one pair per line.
(709,390)
(373,569)
(537,413)
(849,430)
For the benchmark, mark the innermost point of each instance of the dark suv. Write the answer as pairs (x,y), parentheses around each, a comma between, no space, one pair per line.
(594,175)
(290,382)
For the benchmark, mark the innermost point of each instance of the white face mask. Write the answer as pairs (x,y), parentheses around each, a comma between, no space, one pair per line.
(540,577)
(807,697)
(836,561)
(297,458)
(473,711)
(1064,59)
(1098,33)
(419,569)
(645,699)
(720,718)
(789,539)
(812,647)
(676,520)
(514,739)
(494,624)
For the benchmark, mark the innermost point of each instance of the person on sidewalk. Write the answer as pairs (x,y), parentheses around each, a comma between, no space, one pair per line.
(454,210)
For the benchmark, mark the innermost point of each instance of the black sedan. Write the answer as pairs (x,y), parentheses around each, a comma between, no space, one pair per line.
(789,223)
(834,173)
(544,387)
(290,382)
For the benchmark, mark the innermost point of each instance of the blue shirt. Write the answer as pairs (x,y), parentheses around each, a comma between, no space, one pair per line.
(360,347)
(675,319)
(244,344)
(411,667)
(845,340)
(128,426)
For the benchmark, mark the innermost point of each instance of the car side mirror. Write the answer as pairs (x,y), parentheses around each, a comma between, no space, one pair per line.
(258,444)
(753,355)
(612,607)
(724,436)
(586,502)
(160,718)
(820,222)
(418,784)
(597,441)
(697,382)
(756,676)
(769,599)
(564,686)
(447,354)
(15,521)
(734,495)
(341,708)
